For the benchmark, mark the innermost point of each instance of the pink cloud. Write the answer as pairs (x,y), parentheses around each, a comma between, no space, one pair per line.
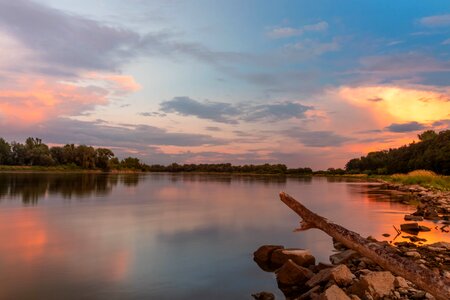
(30,100)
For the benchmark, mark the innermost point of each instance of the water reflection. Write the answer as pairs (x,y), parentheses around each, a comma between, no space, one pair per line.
(30,187)
(165,236)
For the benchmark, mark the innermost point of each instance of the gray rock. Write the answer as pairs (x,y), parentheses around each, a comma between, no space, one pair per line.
(334,293)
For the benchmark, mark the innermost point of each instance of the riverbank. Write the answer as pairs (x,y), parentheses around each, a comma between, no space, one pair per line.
(349,275)
(61,169)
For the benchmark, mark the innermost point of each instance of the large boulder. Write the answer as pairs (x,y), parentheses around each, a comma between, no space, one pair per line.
(301,257)
(264,253)
(376,284)
(292,274)
(334,293)
(340,274)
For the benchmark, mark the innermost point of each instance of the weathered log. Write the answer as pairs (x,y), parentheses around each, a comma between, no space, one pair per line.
(383,255)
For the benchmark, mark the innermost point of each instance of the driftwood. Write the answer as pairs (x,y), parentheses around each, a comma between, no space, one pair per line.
(384,256)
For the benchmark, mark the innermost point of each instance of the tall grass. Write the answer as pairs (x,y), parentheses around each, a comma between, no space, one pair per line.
(424,178)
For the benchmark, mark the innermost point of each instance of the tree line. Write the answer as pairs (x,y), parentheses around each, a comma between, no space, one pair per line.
(36,153)
(431,152)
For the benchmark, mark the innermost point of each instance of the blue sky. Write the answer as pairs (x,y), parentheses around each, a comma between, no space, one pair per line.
(306,83)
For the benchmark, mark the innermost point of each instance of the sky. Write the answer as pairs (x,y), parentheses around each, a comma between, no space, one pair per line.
(304,83)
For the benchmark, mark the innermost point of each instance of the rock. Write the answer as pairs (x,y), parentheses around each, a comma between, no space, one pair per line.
(442,245)
(340,274)
(413,254)
(292,274)
(376,284)
(412,228)
(429,296)
(400,282)
(424,228)
(342,257)
(264,253)
(309,294)
(419,295)
(416,239)
(334,293)
(354,297)
(263,296)
(299,256)
(413,218)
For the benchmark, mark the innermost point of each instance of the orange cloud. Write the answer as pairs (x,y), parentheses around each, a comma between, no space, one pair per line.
(34,100)
(400,104)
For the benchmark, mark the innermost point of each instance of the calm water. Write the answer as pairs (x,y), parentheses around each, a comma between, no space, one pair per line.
(163,236)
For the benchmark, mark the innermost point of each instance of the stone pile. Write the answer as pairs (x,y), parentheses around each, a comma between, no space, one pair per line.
(349,276)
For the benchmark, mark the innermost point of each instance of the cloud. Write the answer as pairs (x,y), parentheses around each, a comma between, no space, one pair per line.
(310,47)
(284,32)
(65,44)
(402,64)
(375,99)
(436,21)
(405,127)
(442,123)
(228,113)
(446,42)
(36,99)
(317,139)
(213,128)
(400,104)
(278,111)
(215,111)
(99,133)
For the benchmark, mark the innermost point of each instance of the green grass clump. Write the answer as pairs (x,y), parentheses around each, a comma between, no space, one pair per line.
(424,178)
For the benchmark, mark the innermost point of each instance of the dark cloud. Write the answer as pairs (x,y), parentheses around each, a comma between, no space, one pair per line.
(405,127)
(215,111)
(376,99)
(152,114)
(213,128)
(440,123)
(317,138)
(228,113)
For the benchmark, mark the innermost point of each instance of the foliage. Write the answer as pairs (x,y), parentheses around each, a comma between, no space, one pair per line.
(432,152)
(422,177)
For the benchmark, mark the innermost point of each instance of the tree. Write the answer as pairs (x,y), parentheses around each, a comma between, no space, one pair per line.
(131,163)
(427,135)
(5,152)
(85,157)
(102,158)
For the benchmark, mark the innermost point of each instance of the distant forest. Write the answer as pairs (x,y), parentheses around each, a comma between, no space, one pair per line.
(35,153)
(432,152)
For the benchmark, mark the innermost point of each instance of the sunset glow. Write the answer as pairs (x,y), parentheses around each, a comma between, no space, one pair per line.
(294,84)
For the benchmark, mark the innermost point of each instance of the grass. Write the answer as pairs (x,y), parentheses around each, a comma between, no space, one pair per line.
(423,178)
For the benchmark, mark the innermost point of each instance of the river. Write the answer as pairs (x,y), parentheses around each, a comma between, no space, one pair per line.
(167,236)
